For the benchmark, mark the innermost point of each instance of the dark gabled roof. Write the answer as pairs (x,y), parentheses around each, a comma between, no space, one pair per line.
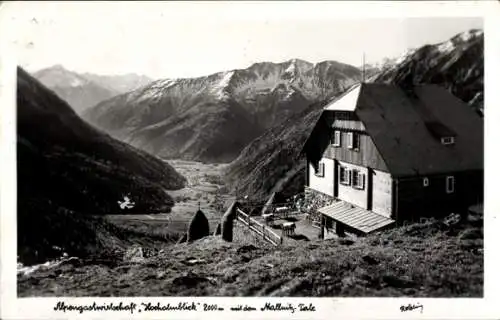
(322,122)
(439,130)
(406,128)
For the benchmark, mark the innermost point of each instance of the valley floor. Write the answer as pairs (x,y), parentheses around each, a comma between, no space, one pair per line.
(204,189)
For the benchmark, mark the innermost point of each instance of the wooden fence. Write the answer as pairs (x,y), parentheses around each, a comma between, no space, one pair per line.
(283,210)
(260,229)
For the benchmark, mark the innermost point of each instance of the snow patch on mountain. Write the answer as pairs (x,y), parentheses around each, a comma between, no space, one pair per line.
(373,70)
(219,90)
(450,45)
(291,72)
(466,36)
(289,94)
(446,47)
(155,90)
(75,82)
(291,68)
(165,84)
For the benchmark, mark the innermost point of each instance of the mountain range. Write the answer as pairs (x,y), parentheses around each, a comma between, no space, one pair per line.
(85,90)
(69,171)
(212,118)
(271,163)
(456,64)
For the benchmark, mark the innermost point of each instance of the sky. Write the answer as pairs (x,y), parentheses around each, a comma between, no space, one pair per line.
(188,39)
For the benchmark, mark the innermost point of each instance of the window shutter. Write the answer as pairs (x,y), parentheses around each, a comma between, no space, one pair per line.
(355,175)
(450,184)
(357,179)
(321,170)
(349,175)
(349,140)
(336,138)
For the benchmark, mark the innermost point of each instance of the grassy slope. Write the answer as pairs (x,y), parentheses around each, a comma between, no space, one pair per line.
(68,170)
(272,161)
(424,260)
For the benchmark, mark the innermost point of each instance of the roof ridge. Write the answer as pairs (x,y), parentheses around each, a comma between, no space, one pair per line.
(337,98)
(361,91)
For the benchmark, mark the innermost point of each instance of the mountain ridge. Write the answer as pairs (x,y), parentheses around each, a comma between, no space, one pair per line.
(258,97)
(84,90)
(456,64)
(69,171)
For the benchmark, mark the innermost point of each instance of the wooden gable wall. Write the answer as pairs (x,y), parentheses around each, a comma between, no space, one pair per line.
(367,155)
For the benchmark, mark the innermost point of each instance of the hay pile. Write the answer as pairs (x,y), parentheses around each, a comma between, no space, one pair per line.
(198,227)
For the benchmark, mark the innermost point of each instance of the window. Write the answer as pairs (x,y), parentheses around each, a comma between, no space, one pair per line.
(352,140)
(358,180)
(425,181)
(447,140)
(342,115)
(336,138)
(321,170)
(450,184)
(345,176)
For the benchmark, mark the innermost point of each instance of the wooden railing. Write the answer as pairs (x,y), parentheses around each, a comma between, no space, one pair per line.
(283,210)
(259,228)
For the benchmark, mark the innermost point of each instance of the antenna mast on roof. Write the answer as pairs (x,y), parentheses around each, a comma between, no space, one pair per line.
(363,74)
